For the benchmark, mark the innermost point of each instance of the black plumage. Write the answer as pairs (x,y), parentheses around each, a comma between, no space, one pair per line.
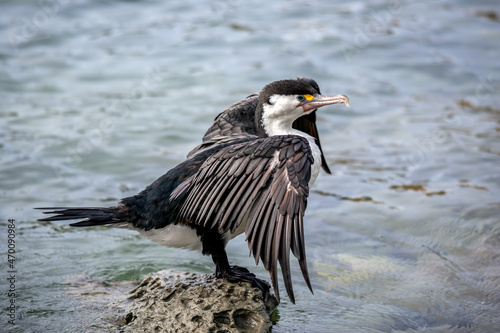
(239,178)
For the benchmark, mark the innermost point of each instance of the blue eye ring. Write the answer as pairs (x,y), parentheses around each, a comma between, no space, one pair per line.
(301,98)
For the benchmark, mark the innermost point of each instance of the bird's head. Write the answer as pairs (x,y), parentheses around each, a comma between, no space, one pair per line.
(282,102)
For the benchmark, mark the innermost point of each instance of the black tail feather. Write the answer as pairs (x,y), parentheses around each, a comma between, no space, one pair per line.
(91,215)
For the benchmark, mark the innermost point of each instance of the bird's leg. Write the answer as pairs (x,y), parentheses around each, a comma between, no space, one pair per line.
(236,273)
(214,245)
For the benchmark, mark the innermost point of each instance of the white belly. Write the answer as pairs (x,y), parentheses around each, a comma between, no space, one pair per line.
(179,236)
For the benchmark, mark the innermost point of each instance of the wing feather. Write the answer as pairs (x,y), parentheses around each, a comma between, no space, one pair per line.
(240,205)
(230,200)
(273,254)
(284,257)
(211,206)
(264,184)
(214,201)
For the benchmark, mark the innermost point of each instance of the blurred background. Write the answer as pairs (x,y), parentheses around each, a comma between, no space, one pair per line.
(100,98)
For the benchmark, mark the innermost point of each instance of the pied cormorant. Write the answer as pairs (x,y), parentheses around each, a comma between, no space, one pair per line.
(251,173)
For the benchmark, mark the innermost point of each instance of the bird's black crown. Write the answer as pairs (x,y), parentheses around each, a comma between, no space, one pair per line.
(298,86)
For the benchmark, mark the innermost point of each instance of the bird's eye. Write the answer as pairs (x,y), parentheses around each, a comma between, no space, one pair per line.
(301,98)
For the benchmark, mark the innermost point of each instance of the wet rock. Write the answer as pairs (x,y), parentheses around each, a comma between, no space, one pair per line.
(169,301)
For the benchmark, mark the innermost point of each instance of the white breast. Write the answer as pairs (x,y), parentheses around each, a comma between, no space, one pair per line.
(317,158)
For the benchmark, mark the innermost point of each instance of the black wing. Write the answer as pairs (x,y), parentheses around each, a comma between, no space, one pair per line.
(264,184)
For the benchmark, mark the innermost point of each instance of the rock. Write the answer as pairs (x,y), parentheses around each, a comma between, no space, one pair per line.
(169,301)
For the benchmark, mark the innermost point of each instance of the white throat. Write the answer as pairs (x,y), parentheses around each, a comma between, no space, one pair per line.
(279,115)
(277,119)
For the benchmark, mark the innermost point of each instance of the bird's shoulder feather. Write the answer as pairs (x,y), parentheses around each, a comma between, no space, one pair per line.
(236,123)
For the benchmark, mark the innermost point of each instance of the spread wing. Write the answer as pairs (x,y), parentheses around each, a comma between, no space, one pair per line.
(263,184)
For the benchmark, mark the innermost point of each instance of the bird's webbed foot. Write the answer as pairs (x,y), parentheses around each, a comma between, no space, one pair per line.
(236,274)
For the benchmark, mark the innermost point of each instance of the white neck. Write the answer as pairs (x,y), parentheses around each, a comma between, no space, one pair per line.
(279,115)
(277,119)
